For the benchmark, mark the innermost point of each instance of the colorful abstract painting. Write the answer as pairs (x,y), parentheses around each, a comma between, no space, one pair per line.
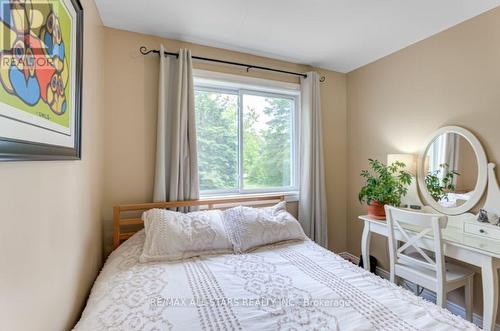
(38,69)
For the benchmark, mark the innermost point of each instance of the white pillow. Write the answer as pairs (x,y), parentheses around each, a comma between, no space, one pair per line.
(173,236)
(249,228)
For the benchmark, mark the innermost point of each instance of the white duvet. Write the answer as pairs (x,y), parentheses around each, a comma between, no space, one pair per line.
(292,286)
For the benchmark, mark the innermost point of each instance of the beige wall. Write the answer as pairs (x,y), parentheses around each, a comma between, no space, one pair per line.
(467,166)
(394,104)
(131,95)
(50,243)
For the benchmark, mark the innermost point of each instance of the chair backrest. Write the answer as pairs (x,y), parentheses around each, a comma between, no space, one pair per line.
(422,224)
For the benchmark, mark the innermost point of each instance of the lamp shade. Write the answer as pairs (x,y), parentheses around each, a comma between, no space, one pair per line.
(408,159)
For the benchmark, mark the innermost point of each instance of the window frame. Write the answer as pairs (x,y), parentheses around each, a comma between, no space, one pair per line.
(240,86)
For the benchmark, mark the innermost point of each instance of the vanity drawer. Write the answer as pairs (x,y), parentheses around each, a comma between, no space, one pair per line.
(488,231)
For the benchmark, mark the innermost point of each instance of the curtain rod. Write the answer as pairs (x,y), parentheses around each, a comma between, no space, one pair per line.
(145,51)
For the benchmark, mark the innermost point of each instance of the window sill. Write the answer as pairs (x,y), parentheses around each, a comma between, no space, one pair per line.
(290,196)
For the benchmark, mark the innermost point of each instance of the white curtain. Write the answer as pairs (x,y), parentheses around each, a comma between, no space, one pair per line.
(444,150)
(312,201)
(452,150)
(176,171)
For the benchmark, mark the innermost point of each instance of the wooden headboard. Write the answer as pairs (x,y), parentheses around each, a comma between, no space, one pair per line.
(124,228)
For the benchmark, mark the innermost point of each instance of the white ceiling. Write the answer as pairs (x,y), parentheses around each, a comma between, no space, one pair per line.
(341,35)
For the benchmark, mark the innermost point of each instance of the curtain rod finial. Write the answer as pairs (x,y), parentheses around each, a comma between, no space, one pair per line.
(144,50)
(321,79)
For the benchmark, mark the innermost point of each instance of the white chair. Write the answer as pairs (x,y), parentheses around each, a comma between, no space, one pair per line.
(430,272)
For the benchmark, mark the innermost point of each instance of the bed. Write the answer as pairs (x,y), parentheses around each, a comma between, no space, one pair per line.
(285,286)
(455,199)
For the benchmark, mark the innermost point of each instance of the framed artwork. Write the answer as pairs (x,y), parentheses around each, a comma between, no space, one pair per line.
(41,47)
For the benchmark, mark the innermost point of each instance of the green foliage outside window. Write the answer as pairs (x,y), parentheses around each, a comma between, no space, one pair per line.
(266,149)
(267,141)
(217,137)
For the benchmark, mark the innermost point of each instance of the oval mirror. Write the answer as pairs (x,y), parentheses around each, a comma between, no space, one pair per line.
(452,171)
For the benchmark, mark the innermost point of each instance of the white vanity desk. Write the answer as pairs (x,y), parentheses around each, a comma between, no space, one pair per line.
(483,253)
(465,238)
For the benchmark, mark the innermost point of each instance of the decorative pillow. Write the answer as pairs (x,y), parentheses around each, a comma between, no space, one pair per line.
(249,228)
(173,236)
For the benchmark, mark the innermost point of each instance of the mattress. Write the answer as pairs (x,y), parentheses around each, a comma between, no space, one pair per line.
(289,286)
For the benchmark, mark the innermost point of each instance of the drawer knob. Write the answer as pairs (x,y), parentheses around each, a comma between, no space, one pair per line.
(482,231)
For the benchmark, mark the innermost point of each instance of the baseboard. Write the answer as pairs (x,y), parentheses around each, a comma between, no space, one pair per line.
(426,294)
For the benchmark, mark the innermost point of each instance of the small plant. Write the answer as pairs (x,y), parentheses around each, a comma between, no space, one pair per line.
(439,186)
(387,185)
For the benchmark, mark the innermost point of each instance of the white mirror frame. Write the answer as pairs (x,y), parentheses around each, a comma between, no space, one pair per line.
(482,167)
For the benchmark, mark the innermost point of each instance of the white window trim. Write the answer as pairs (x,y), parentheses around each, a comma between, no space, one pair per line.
(290,196)
(235,84)
(245,82)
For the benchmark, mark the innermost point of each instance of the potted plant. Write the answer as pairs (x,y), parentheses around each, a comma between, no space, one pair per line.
(385,185)
(439,185)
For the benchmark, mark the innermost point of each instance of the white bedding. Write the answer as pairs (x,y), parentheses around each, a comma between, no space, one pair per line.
(292,286)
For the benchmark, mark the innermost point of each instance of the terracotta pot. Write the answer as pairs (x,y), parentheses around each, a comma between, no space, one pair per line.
(376,210)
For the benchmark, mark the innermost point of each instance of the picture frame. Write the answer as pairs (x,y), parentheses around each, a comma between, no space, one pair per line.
(41,68)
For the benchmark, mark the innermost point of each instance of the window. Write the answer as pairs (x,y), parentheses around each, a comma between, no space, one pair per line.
(246,137)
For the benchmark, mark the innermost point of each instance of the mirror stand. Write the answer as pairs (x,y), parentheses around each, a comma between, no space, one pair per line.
(492,203)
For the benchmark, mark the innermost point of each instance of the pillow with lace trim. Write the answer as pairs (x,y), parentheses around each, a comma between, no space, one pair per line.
(249,228)
(172,236)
